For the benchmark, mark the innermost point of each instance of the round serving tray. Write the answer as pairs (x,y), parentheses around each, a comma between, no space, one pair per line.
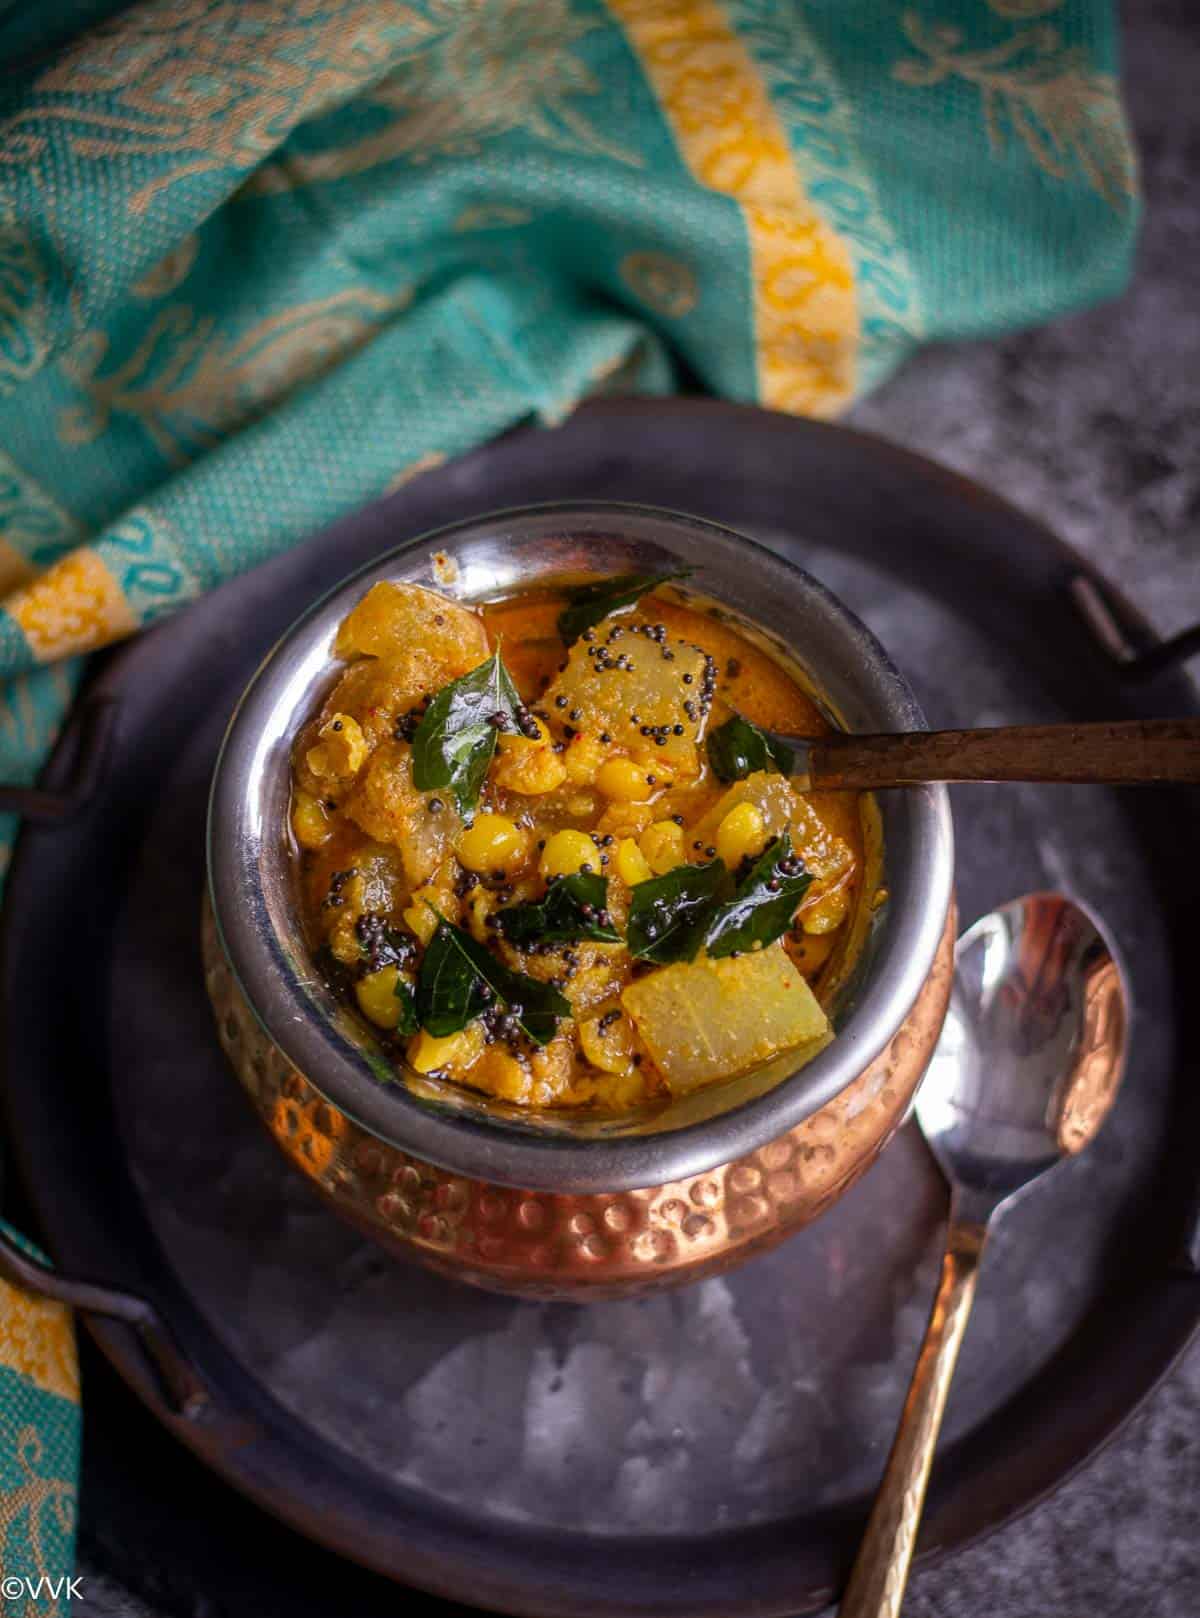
(705,1451)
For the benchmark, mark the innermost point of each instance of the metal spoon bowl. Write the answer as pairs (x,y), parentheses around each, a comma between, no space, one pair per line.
(1031,1054)
(1025,1071)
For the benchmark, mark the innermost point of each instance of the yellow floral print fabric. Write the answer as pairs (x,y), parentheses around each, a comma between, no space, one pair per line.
(39,1452)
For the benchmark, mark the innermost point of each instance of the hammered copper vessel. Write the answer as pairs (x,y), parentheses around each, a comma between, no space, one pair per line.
(541,1244)
(554,1205)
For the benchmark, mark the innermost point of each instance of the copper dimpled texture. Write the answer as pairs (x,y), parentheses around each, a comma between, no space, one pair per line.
(537,1244)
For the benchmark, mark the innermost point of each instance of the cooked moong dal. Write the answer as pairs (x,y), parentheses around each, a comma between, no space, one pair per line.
(547,852)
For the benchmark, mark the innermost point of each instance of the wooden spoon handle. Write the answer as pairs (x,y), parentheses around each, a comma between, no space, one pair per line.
(880,1572)
(1122,752)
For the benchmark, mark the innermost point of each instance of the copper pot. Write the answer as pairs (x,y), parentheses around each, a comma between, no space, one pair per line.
(555,1205)
(545,1244)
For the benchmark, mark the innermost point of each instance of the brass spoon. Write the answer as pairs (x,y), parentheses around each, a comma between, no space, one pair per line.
(1024,1073)
(1126,752)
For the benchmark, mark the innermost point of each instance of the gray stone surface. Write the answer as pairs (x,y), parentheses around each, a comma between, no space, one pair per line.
(1093,424)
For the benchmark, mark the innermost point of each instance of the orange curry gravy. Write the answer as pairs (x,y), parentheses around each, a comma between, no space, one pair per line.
(385,864)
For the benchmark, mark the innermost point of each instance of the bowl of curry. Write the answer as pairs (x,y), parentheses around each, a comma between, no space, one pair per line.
(529,948)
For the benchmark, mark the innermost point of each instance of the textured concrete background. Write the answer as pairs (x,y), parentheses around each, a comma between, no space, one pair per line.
(1094,425)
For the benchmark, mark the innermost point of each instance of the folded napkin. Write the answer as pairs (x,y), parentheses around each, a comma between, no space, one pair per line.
(262,261)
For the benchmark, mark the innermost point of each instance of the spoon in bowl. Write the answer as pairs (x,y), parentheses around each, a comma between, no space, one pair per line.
(1024,1073)
(1127,751)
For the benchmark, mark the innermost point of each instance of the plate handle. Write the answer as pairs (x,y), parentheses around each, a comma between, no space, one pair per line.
(1135,653)
(182,1388)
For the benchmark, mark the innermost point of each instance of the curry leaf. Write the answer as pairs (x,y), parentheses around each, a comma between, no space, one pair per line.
(409,1021)
(459,979)
(763,904)
(454,742)
(738,748)
(575,907)
(450,992)
(668,914)
(589,603)
(671,916)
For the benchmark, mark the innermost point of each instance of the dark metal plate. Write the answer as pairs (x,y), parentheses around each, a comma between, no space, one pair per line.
(707,1451)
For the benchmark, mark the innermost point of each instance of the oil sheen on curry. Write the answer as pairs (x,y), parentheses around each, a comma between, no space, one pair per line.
(547,852)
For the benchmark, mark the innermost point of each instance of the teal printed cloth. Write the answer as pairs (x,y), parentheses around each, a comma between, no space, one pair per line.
(262,261)
(39,1450)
